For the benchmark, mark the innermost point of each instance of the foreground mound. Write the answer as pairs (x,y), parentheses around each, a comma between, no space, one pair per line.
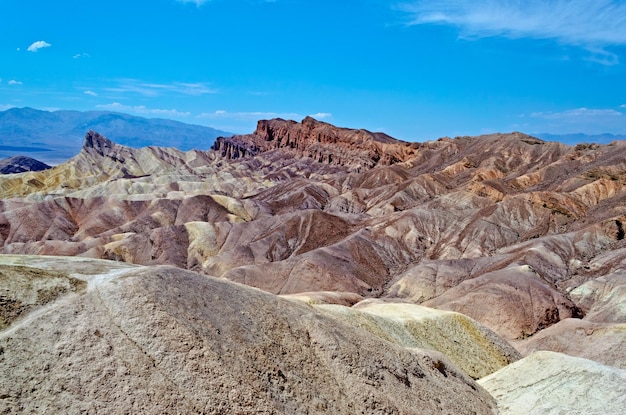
(554,383)
(163,340)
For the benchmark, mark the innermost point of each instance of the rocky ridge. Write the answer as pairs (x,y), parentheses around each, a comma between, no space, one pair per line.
(322,142)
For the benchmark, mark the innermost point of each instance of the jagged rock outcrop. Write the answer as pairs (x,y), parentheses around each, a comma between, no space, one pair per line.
(163,340)
(103,168)
(322,142)
(20,164)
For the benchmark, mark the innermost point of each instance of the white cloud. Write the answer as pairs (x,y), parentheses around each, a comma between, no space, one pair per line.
(578,120)
(81,55)
(592,24)
(14,82)
(577,114)
(93,94)
(143,110)
(40,44)
(245,121)
(250,116)
(322,115)
(196,2)
(623,106)
(4,107)
(148,89)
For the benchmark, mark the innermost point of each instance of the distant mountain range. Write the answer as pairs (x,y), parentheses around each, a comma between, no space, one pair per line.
(54,137)
(20,164)
(573,139)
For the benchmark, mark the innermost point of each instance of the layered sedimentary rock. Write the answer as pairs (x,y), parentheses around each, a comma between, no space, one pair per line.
(163,340)
(517,233)
(322,142)
(472,347)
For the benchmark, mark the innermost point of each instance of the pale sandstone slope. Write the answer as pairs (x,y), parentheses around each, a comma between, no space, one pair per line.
(472,347)
(557,384)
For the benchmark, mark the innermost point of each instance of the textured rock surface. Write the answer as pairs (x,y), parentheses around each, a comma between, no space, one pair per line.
(515,232)
(554,383)
(320,141)
(602,342)
(26,289)
(473,348)
(163,340)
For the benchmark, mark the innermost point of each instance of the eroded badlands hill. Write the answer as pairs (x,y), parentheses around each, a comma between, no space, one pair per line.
(517,233)
(355,149)
(156,340)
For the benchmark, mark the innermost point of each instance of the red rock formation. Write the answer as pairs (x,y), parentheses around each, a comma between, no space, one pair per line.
(319,141)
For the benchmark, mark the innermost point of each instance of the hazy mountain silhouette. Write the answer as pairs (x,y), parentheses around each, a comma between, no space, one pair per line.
(577,138)
(54,137)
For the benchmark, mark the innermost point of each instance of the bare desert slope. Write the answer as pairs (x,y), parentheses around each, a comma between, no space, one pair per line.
(554,383)
(156,340)
(515,232)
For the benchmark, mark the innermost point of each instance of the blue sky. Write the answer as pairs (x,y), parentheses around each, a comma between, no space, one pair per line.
(417,70)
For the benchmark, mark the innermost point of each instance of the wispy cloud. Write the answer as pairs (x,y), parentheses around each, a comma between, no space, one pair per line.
(578,120)
(4,107)
(248,116)
(601,56)
(93,94)
(623,106)
(258,115)
(196,2)
(578,114)
(322,115)
(40,44)
(592,24)
(81,55)
(142,110)
(14,82)
(154,89)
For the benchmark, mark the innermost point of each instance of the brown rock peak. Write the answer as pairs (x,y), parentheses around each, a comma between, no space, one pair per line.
(98,142)
(317,140)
